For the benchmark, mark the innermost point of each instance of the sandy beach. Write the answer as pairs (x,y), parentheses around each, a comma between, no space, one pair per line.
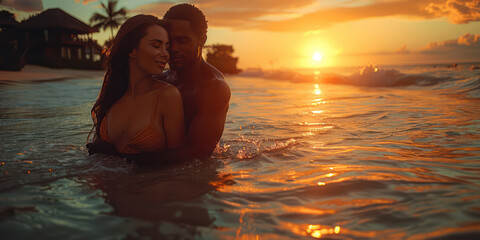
(34,73)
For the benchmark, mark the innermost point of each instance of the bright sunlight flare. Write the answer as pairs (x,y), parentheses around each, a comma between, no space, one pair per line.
(317,57)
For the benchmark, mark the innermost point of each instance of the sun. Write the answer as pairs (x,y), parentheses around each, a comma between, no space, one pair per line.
(317,57)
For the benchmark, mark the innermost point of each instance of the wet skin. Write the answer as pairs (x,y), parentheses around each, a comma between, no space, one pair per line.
(134,111)
(205,95)
(204,91)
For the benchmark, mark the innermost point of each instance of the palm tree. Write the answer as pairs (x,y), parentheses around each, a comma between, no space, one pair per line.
(112,18)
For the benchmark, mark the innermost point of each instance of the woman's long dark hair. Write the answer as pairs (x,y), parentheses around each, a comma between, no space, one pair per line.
(115,82)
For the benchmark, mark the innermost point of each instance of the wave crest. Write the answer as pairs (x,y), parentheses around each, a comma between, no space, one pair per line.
(367,76)
(373,76)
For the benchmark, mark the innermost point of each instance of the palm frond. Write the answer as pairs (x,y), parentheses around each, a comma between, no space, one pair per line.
(98,25)
(112,4)
(119,18)
(97,17)
(104,7)
(113,24)
(121,12)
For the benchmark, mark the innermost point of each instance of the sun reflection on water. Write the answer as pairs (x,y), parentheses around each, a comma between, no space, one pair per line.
(317,231)
(317,90)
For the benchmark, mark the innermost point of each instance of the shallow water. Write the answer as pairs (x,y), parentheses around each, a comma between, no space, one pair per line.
(298,160)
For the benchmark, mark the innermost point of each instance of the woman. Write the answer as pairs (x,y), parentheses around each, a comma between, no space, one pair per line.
(135,113)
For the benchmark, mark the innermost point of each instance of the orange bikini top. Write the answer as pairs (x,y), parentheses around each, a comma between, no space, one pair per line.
(146,140)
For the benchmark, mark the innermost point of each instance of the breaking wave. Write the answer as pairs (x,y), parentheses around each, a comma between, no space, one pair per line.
(368,76)
(373,76)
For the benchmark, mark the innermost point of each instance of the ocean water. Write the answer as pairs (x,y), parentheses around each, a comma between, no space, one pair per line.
(371,153)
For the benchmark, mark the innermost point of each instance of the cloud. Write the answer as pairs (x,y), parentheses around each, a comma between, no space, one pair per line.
(458,11)
(310,16)
(272,6)
(465,48)
(327,17)
(85,2)
(313,32)
(23,5)
(235,14)
(467,42)
(402,49)
(235,19)
(155,9)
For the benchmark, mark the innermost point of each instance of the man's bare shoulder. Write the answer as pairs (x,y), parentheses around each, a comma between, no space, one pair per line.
(214,92)
(215,81)
(211,71)
(216,88)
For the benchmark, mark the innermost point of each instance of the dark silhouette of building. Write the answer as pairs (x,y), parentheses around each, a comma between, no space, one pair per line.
(10,56)
(56,39)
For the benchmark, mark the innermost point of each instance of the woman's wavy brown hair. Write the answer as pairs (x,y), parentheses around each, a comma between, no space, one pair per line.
(115,82)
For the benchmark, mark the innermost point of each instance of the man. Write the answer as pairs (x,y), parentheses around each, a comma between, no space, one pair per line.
(204,90)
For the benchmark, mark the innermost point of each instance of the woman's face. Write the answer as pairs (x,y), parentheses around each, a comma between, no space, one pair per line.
(151,55)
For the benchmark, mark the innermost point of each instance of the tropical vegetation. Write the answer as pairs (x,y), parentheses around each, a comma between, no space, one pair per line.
(110,16)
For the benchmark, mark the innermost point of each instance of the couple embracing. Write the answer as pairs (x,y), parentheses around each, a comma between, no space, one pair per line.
(150,115)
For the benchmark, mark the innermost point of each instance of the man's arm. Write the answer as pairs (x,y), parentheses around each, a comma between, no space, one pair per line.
(207,126)
(204,131)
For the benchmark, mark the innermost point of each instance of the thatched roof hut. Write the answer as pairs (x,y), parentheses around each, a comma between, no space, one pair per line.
(55,38)
(56,18)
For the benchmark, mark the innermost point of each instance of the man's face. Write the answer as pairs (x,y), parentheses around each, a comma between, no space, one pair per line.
(184,45)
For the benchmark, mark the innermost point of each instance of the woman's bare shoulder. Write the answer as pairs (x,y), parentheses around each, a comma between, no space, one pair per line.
(166,90)
(158,84)
(169,98)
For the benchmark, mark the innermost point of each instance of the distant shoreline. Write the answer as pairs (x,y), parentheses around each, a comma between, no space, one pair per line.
(35,73)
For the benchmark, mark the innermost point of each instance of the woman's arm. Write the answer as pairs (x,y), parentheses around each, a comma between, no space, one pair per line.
(173,119)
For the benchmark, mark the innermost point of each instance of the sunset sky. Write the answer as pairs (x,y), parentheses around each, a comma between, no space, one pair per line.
(316,33)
